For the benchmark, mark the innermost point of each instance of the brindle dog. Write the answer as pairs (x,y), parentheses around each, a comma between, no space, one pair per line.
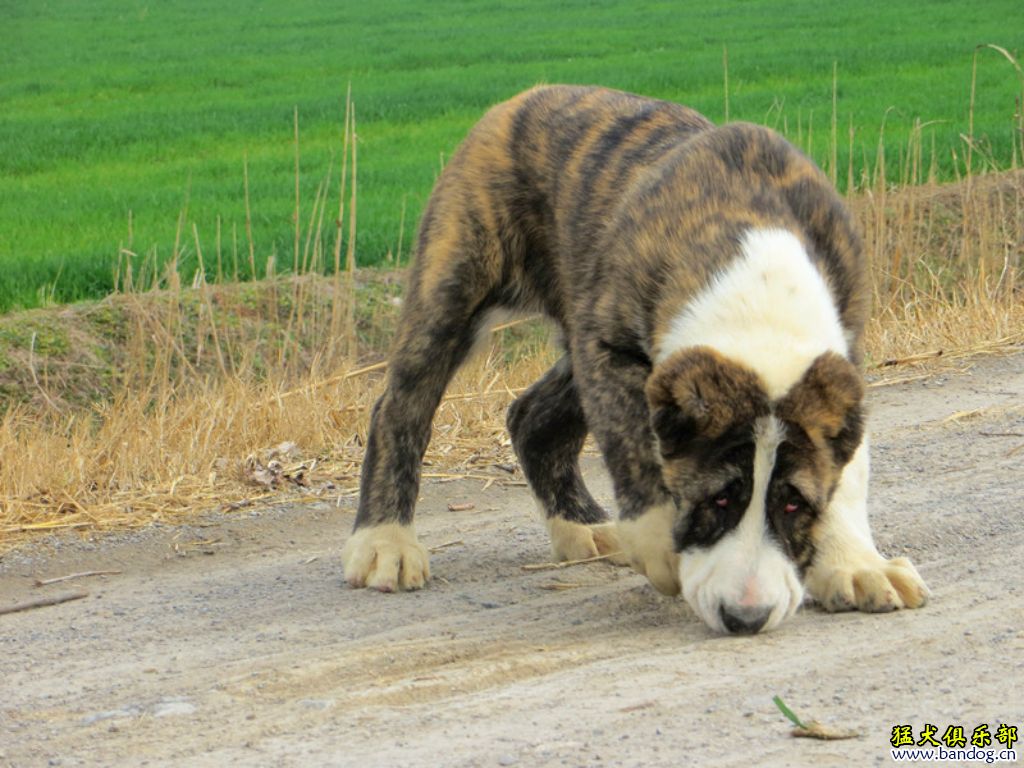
(711,292)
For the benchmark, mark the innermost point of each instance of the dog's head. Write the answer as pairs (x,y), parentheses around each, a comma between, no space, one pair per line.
(750,477)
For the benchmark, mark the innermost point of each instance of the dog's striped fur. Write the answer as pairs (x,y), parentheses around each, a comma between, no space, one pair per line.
(712,294)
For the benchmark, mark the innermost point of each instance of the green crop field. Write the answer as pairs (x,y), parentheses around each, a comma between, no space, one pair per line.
(114,111)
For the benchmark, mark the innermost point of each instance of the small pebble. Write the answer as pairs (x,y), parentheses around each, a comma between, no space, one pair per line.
(317,703)
(111,713)
(171,708)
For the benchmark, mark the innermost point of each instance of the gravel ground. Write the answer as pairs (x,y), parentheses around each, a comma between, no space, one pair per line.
(232,641)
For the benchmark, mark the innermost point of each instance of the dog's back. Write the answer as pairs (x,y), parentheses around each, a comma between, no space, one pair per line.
(536,182)
(562,191)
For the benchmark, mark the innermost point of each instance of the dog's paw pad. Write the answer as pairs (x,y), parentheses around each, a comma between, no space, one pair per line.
(386,557)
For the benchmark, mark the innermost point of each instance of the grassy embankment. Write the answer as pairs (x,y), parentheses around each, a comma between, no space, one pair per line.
(152,405)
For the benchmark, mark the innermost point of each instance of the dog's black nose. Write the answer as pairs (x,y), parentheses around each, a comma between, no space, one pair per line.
(744,621)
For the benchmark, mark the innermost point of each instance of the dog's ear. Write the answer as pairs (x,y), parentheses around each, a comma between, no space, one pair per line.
(698,395)
(827,404)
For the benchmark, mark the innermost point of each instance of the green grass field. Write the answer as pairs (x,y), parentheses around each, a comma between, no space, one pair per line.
(110,107)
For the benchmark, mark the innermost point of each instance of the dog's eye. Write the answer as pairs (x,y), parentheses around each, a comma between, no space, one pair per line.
(794,501)
(725,497)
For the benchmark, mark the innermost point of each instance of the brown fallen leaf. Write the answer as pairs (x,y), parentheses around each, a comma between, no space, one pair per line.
(298,477)
(266,475)
(812,729)
(816,730)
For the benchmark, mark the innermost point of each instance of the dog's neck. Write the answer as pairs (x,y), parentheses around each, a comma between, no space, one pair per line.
(769,309)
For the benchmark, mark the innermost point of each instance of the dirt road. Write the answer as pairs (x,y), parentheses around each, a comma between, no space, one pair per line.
(257,654)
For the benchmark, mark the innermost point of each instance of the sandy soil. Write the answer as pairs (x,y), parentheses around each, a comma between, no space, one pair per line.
(234,641)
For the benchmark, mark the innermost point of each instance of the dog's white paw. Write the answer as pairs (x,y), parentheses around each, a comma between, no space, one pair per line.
(386,558)
(647,542)
(576,541)
(661,569)
(868,583)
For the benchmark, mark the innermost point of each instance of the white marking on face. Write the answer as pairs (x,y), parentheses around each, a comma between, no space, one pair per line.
(746,569)
(770,309)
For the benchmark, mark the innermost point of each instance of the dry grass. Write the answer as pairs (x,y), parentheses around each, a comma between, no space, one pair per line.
(180,413)
(947,265)
(156,456)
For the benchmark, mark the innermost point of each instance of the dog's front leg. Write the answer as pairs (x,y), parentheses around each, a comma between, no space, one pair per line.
(611,383)
(647,541)
(434,336)
(847,572)
(383,552)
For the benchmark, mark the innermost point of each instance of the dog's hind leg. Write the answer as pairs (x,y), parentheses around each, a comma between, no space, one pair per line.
(548,429)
